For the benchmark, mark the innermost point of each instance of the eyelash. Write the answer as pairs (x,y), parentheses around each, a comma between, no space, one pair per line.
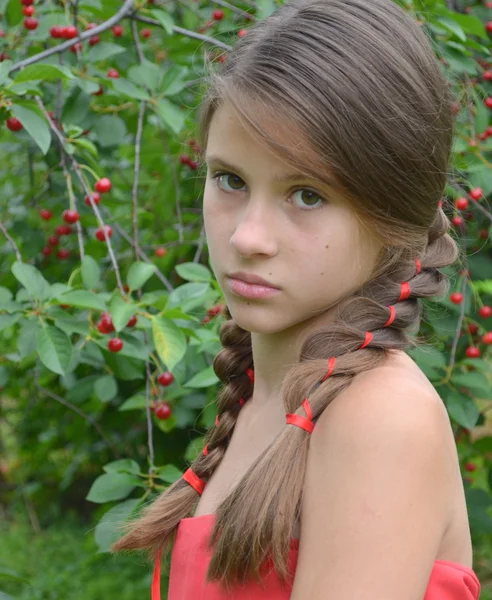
(218,174)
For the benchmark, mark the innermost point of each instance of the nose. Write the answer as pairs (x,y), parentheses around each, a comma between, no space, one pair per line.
(255,231)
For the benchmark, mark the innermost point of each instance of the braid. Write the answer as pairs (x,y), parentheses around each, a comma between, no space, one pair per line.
(156,526)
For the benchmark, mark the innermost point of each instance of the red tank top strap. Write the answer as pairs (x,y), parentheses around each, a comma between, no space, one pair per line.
(156,579)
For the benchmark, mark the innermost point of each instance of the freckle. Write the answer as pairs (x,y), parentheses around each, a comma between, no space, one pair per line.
(327,246)
(321,273)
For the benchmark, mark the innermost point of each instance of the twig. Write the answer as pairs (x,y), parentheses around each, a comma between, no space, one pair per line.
(76,168)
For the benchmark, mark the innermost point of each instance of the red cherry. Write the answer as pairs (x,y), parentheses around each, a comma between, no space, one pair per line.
(487,338)
(218,15)
(206,319)
(100,233)
(461,203)
(184,159)
(488,100)
(146,33)
(76,47)
(28,11)
(70,32)
(117,31)
(113,74)
(193,165)
(476,193)
(163,411)
(63,230)
(53,240)
(470,466)
(14,124)
(57,31)
(45,214)
(488,26)
(165,378)
(94,40)
(70,216)
(63,253)
(103,185)
(126,288)
(485,311)
(132,322)
(115,344)
(457,221)
(99,92)
(96,196)
(456,298)
(483,234)
(90,26)
(27,2)
(241,33)
(472,352)
(47,250)
(489,131)
(472,328)
(160,251)
(105,326)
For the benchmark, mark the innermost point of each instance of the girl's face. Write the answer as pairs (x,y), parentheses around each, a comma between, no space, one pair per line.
(298,234)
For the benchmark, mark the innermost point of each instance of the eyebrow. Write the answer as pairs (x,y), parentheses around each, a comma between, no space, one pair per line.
(289,177)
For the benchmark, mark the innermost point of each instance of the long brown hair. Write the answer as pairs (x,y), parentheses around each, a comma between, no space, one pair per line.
(360,82)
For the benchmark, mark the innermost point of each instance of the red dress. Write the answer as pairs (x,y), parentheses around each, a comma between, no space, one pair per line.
(190,558)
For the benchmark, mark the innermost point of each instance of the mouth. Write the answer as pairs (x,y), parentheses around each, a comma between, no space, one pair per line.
(253,291)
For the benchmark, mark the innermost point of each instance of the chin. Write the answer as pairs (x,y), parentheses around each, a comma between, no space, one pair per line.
(255,318)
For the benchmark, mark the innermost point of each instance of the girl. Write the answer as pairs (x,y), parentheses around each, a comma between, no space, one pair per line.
(331,472)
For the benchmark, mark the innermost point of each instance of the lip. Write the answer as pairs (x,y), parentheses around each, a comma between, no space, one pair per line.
(251,278)
(252,291)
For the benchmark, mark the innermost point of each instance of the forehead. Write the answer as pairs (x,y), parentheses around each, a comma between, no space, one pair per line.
(229,134)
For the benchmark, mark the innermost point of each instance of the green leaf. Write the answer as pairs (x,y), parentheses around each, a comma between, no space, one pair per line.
(137,401)
(110,130)
(463,410)
(32,279)
(104,50)
(108,530)
(6,573)
(193,272)
(138,273)
(111,486)
(54,348)
(452,26)
(168,473)
(9,320)
(188,296)
(91,273)
(127,88)
(474,381)
(265,8)
(122,465)
(204,378)
(106,388)
(121,312)
(195,447)
(5,67)
(82,299)
(43,72)
(35,126)
(171,115)
(146,74)
(86,145)
(165,20)
(169,341)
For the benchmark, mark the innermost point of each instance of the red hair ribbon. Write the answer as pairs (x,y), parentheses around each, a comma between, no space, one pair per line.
(192,478)
(299,420)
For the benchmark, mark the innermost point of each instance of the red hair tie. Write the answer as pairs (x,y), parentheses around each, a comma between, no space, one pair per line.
(300,421)
(392,316)
(192,478)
